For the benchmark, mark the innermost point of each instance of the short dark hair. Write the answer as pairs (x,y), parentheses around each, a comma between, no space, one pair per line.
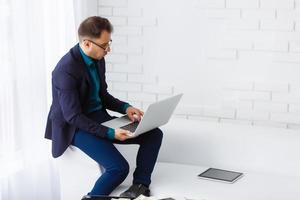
(92,27)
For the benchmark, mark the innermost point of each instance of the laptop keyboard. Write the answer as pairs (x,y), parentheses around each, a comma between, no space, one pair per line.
(131,127)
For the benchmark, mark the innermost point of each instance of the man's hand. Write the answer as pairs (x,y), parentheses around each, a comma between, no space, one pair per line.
(121,134)
(134,114)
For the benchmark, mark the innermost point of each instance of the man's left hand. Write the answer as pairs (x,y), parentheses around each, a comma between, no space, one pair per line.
(134,114)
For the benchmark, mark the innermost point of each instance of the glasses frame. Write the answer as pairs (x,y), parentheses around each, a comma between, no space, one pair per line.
(99,45)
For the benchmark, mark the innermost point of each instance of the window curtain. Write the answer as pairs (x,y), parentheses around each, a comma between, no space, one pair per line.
(34,35)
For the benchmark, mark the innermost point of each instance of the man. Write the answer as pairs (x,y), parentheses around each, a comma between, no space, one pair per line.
(80,100)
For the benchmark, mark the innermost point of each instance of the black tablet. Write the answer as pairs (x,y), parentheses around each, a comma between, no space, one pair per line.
(220,175)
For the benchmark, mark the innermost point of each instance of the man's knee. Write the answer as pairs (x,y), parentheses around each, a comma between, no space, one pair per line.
(124,169)
(158,134)
(120,169)
(154,136)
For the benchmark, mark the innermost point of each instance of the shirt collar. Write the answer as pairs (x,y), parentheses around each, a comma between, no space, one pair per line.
(87,60)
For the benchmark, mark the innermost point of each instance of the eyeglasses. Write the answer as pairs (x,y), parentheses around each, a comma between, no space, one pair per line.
(104,47)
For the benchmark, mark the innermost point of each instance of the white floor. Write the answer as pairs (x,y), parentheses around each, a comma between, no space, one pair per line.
(181,180)
(176,180)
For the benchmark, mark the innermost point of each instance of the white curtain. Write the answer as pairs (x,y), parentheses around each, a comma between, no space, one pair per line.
(34,34)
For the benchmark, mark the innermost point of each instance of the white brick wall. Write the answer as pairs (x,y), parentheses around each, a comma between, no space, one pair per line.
(129,68)
(294,46)
(242,4)
(114,3)
(277,25)
(141,96)
(258,14)
(138,78)
(131,87)
(252,115)
(294,108)
(272,87)
(278,4)
(127,12)
(237,61)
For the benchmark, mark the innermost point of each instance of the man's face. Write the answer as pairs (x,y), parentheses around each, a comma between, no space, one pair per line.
(97,48)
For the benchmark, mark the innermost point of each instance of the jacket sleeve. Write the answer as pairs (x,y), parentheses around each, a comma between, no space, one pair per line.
(68,97)
(108,100)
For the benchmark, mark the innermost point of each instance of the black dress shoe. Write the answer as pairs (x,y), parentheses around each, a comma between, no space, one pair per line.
(85,197)
(98,197)
(136,190)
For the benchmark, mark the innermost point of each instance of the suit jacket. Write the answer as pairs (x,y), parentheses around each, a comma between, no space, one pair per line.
(70,86)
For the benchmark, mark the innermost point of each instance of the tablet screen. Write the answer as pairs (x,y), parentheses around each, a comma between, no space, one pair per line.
(219,174)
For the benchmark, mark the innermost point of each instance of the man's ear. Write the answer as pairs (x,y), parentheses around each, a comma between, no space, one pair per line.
(86,43)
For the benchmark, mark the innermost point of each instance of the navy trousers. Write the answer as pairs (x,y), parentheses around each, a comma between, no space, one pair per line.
(104,152)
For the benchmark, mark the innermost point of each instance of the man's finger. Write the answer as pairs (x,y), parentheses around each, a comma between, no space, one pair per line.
(125,137)
(124,131)
(140,114)
(130,116)
(129,135)
(136,116)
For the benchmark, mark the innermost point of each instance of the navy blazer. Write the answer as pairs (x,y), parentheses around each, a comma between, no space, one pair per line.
(70,86)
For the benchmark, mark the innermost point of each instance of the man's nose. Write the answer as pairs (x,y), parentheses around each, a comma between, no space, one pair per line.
(107,49)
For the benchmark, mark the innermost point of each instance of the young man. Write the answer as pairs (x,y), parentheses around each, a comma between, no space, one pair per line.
(80,100)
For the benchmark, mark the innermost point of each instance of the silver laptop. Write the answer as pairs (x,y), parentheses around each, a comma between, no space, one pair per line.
(157,114)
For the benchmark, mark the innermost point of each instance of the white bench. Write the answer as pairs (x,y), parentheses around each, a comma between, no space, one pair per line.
(269,157)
